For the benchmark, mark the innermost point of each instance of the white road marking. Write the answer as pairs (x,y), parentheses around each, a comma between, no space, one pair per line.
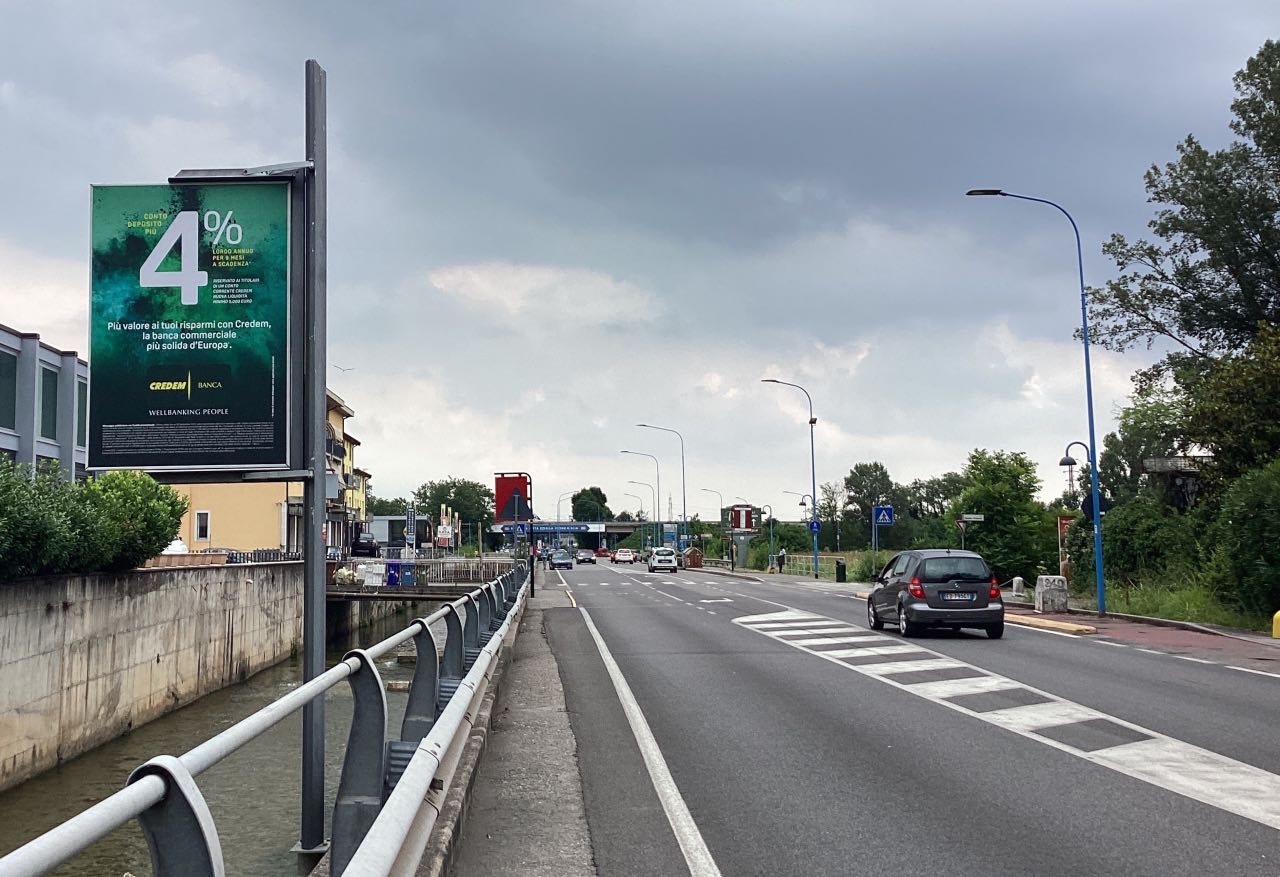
(1103,642)
(665,594)
(1256,672)
(717,600)
(696,854)
(827,640)
(1149,651)
(872,650)
(1162,761)
(1194,660)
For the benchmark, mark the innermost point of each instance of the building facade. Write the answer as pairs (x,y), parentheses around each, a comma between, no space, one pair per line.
(44,404)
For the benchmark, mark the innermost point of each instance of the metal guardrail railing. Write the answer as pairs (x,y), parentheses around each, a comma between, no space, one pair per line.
(375,573)
(384,785)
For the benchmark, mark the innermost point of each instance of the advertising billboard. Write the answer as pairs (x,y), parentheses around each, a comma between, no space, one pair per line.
(513,497)
(189,327)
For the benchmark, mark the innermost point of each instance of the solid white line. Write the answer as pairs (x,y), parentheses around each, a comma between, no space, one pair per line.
(1149,651)
(1255,672)
(1103,642)
(1194,660)
(696,854)
(665,594)
(870,650)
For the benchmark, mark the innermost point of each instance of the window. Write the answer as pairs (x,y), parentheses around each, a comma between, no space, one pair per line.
(8,390)
(202,526)
(82,414)
(901,566)
(48,404)
(944,569)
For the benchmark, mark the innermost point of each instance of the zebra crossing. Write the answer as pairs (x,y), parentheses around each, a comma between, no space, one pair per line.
(1064,725)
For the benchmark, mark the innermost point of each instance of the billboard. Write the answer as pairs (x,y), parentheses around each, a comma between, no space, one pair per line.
(742,517)
(189,327)
(513,497)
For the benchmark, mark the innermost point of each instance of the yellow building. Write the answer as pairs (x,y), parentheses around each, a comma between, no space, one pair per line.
(247,516)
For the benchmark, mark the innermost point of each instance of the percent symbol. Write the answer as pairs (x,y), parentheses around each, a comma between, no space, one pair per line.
(222,225)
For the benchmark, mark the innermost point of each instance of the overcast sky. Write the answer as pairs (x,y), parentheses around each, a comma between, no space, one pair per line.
(550,221)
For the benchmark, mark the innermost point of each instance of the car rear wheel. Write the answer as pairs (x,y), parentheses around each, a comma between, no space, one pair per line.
(906,626)
(873,620)
(995,631)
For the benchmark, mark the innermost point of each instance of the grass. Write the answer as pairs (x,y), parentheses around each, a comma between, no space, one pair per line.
(1191,602)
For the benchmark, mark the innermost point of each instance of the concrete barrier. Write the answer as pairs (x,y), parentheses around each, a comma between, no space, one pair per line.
(1051,594)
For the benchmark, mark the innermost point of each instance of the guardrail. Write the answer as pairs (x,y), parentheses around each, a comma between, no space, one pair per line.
(375,573)
(383,813)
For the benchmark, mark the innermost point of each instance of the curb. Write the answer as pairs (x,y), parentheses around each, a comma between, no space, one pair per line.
(1049,624)
(1157,622)
(716,571)
(437,861)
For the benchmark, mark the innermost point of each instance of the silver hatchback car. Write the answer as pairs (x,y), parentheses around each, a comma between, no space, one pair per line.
(936,588)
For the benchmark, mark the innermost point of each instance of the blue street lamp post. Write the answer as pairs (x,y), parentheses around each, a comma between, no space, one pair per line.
(813,466)
(1088,388)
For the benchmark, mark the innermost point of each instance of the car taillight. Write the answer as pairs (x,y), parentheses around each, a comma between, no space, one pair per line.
(915,589)
(994,593)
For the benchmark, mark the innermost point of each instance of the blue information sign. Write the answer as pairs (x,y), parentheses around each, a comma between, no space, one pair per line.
(815,526)
(882,515)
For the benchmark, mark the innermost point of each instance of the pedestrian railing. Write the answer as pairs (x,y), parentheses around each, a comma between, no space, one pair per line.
(802,565)
(376,573)
(389,792)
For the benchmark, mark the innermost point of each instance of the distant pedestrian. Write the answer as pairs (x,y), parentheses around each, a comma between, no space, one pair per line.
(782,558)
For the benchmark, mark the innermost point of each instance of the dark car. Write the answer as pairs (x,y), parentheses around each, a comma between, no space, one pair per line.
(364,545)
(586,555)
(936,587)
(561,559)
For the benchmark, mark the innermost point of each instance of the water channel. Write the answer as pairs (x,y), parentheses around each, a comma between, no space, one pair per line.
(253,794)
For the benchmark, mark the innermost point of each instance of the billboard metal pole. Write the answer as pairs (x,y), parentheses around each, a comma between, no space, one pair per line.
(312,841)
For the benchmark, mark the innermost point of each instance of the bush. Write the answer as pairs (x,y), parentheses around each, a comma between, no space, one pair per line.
(49,525)
(1248,541)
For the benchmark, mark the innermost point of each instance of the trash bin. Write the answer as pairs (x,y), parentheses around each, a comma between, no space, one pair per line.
(841,575)
(393,573)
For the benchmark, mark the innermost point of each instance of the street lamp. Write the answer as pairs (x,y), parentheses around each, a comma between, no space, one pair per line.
(1070,462)
(652,491)
(684,498)
(762,508)
(558,499)
(1088,388)
(719,517)
(657,477)
(639,497)
(813,465)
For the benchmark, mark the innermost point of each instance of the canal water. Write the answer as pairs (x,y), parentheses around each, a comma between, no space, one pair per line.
(253,794)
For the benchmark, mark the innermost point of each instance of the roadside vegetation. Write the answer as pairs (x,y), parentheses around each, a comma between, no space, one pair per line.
(51,526)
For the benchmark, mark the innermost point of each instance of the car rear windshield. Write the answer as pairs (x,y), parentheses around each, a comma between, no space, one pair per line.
(944,569)
(664,552)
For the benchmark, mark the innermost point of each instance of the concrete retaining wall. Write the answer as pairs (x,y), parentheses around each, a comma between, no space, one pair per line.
(84,659)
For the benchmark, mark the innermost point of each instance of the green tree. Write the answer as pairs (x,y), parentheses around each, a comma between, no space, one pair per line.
(376,505)
(146,515)
(590,504)
(470,499)
(1248,541)
(1002,488)
(1213,277)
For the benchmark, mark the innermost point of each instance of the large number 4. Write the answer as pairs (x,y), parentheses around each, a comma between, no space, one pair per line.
(189,278)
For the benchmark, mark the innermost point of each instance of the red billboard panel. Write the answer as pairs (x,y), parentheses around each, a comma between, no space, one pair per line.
(742,517)
(512,497)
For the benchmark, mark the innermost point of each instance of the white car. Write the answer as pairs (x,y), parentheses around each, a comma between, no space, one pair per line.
(624,555)
(663,558)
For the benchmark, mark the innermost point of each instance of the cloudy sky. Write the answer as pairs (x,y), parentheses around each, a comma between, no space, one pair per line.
(552,220)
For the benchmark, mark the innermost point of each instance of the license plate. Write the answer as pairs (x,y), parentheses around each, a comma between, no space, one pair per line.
(956,596)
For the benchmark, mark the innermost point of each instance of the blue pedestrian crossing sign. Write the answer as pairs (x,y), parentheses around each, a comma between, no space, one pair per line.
(882,515)
(814,526)
(521,529)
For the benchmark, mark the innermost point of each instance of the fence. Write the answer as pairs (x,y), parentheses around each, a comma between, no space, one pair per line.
(376,574)
(802,565)
(389,792)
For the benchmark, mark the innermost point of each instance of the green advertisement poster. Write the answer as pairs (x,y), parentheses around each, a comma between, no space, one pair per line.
(189,327)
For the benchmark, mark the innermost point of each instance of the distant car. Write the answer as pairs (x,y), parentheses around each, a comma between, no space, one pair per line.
(603,552)
(365,545)
(561,560)
(936,587)
(624,555)
(663,558)
(585,555)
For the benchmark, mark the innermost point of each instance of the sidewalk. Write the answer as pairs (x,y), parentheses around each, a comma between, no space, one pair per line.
(526,814)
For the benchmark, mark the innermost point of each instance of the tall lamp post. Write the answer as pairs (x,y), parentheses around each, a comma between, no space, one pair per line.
(640,498)
(719,517)
(657,477)
(684,496)
(651,491)
(813,465)
(1070,462)
(1088,387)
(762,508)
(558,499)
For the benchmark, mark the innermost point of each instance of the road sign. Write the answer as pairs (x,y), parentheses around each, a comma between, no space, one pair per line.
(815,526)
(960,524)
(411,526)
(882,515)
(521,530)
(973,519)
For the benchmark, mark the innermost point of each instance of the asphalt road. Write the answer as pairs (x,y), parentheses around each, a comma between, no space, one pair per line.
(758,728)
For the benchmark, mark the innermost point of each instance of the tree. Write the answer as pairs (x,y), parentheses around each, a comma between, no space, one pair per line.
(1002,488)
(624,515)
(1153,426)
(831,509)
(376,505)
(1248,541)
(590,504)
(471,500)
(1214,276)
